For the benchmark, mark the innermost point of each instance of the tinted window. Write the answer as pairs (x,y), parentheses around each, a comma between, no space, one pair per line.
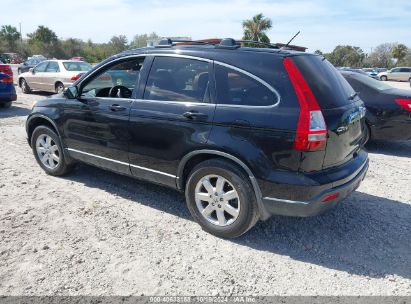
(368,81)
(236,88)
(52,67)
(41,67)
(77,66)
(405,70)
(122,75)
(328,85)
(395,70)
(178,79)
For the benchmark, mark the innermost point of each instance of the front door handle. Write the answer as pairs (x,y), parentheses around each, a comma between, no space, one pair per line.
(195,115)
(117,107)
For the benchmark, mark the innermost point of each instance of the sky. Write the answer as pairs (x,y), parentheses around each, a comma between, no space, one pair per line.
(323,24)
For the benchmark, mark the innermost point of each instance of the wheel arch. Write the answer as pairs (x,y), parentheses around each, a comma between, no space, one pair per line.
(190,160)
(39,120)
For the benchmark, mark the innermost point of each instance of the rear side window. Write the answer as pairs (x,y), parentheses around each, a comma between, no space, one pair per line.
(237,88)
(328,85)
(178,79)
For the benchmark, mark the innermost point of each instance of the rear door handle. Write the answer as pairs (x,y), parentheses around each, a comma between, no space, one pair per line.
(116,107)
(195,115)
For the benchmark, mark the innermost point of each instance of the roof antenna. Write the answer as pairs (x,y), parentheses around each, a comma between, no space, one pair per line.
(285,46)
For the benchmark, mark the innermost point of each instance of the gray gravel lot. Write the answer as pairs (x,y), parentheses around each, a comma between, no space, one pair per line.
(98,233)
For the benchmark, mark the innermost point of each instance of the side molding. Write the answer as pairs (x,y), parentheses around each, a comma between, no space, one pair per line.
(263,212)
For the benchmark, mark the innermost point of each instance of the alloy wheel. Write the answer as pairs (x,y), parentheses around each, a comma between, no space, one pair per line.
(48,151)
(217,200)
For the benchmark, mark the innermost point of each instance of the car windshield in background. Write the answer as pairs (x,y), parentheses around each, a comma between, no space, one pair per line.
(375,84)
(77,66)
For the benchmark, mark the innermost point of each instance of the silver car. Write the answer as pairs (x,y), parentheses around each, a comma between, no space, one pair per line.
(52,75)
(399,74)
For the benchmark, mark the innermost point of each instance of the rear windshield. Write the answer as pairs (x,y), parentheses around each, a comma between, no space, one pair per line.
(328,85)
(371,82)
(76,66)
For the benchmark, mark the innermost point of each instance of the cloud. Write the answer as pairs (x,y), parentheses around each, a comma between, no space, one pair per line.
(324,24)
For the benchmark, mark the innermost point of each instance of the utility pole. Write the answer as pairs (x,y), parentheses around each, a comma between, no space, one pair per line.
(21,37)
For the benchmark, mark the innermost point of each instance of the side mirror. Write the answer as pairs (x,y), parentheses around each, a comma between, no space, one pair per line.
(71,92)
(31,70)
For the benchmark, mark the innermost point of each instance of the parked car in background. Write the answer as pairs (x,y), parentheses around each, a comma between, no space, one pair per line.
(244,132)
(28,64)
(379,70)
(11,58)
(388,109)
(397,74)
(52,75)
(371,72)
(7,90)
(355,70)
(77,59)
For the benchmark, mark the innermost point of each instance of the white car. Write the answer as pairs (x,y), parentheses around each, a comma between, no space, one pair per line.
(399,74)
(52,75)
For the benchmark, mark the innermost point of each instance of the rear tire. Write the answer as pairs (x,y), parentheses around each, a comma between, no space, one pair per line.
(228,208)
(24,86)
(6,105)
(384,78)
(48,151)
(59,87)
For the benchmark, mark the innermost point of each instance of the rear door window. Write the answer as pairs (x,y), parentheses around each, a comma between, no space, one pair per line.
(53,67)
(237,88)
(178,79)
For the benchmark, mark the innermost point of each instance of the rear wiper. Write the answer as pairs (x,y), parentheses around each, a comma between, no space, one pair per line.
(352,96)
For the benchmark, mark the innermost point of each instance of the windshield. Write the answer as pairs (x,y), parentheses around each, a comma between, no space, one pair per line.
(77,66)
(375,84)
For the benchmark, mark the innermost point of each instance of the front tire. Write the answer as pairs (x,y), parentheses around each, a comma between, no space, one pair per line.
(384,78)
(48,151)
(24,86)
(221,199)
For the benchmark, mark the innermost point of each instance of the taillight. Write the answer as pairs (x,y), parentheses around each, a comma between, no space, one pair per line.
(330,197)
(405,103)
(76,77)
(6,80)
(311,132)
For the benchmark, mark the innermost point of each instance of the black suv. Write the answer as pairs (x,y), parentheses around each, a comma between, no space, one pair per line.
(245,132)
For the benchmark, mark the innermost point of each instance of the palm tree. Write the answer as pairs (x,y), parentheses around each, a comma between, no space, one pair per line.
(255,28)
(9,34)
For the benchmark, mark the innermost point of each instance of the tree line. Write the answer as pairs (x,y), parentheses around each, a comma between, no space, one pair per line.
(45,41)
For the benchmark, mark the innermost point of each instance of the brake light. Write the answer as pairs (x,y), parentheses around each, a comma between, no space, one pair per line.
(405,103)
(311,132)
(6,80)
(330,197)
(76,77)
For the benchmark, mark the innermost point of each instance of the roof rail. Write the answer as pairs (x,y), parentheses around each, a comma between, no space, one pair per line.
(230,43)
(168,42)
(226,43)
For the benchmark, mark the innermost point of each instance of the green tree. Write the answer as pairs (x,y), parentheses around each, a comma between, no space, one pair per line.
(346,56)
(318,52)
(399,52)
(256,28)
(44,41)
(141,40)
(118,44)
(9,35)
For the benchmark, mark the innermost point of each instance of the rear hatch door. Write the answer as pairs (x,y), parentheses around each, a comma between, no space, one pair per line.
(342,109)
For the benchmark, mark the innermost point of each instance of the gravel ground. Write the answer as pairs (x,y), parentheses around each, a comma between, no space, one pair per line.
(98,233)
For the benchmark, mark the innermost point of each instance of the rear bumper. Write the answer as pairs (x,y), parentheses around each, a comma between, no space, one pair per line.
(6,97)
(391,129)
(316,204)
